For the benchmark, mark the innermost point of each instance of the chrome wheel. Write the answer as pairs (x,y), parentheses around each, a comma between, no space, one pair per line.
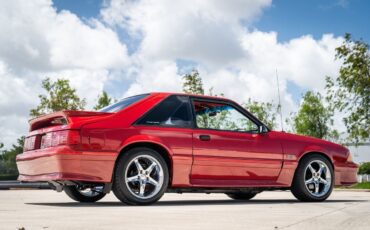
(144,176)
(91,192)
(317,178)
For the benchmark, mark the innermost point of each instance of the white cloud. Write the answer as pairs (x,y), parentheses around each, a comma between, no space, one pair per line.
(36,42)
(204,31)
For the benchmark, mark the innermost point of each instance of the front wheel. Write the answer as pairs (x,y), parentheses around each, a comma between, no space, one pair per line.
(141,177)
(85,195)
(314,179)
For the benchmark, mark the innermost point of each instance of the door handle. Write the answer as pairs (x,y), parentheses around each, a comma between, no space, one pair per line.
(204,137)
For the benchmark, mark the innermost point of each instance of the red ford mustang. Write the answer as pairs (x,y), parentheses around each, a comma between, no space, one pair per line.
(145,145)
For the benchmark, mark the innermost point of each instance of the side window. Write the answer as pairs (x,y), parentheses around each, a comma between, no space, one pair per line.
(211,115)
(173,111)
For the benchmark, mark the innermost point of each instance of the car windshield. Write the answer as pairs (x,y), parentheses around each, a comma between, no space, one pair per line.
(118,106)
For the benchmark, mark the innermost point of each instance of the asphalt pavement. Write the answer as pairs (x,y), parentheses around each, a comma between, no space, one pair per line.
(46,209)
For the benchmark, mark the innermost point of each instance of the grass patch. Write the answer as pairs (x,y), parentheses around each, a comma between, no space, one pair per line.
(363,185)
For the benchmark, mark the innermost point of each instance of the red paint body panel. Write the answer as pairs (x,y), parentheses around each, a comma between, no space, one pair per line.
(228,159)
(64,163)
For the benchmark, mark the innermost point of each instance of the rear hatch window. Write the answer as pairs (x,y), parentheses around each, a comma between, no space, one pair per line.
(118,106)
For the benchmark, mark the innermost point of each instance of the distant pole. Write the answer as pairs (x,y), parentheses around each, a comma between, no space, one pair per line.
(279,106)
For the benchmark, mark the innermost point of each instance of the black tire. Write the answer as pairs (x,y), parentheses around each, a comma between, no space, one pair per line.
(299,188)
(122,191)
(242,195)
(74,193)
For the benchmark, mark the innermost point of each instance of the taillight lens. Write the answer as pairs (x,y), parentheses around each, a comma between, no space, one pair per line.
(64,137)
(29,143)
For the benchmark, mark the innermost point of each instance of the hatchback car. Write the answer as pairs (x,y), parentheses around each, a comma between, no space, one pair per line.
(149,144)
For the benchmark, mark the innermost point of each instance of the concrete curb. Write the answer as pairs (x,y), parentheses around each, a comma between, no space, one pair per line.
(351,190)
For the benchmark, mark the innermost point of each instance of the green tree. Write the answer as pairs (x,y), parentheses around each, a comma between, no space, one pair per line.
(7,163)
(193,83)
(264,111)
(59,96)
(350,91)
(103,101)
(364,168)
(313,118)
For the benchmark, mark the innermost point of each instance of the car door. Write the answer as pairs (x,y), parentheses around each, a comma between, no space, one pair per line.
(229,149)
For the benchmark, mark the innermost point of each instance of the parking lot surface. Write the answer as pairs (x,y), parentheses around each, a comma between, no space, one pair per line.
(46,209)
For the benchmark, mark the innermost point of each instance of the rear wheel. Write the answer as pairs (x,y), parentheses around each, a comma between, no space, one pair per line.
(242,195)
(314,179)
(141,177)
(87,195)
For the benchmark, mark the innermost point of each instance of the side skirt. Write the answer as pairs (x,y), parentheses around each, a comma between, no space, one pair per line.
(222,190)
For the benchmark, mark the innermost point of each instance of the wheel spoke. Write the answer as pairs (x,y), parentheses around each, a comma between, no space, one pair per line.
(142,188)
(309,181)
(152,181)
(132,179)
(316,188)
(321,170)
(311,169)
(323,181)
(138,165)
(151,167)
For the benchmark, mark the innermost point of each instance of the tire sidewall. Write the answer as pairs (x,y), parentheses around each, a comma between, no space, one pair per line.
(120,188)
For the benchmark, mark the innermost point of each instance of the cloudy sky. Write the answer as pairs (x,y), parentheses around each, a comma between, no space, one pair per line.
(129,47)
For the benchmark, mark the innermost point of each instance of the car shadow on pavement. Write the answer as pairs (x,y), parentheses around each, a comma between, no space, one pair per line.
(188,203)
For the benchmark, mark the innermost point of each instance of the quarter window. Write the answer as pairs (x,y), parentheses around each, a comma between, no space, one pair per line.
(173,111)
(219,116)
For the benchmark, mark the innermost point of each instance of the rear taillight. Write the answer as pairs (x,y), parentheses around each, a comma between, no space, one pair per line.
(29,143)
(64,137)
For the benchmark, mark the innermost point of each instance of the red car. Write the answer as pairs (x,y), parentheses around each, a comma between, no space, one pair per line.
(145,145)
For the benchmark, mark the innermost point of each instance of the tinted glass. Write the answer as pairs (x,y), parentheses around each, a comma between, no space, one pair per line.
(211,115)
(122,103)
(173,111)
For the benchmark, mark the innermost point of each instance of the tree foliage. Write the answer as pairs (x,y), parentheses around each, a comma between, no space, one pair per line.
(350,92)
(193,83)
(103,101)
(59,96)
(7,161)
(313,118)
(364,168)
(264,111)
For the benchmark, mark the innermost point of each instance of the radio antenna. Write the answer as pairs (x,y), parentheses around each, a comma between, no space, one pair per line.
(279,105)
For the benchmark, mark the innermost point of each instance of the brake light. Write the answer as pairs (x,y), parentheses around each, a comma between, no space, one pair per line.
(64,137)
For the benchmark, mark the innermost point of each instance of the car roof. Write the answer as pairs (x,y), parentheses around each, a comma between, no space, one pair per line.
(193,95)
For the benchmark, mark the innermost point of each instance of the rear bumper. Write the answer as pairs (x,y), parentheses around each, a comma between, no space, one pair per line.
(346,173)
(63,163)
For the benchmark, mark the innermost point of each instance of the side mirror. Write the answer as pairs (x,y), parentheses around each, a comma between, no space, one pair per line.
(262,129)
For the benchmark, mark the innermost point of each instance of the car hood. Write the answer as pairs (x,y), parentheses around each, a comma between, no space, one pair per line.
(311,141)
